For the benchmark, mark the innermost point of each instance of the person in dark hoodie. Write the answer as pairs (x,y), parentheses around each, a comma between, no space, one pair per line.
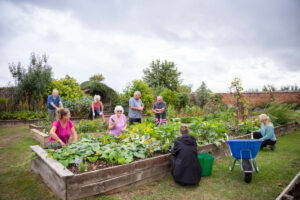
(186,169)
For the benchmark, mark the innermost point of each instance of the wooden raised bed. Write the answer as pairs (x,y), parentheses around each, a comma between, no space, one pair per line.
(68,185)
(293,189)
(42,138)
(39,136)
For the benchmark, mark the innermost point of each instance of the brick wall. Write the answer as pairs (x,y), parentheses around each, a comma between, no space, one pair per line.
(259,97)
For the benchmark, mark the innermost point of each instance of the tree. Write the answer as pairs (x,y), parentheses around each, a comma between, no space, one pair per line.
(146,93)
(241,102)
(185,89)
(68,88)
(31,84)
(202,95)
(162,74)
(170,97)
(97,78)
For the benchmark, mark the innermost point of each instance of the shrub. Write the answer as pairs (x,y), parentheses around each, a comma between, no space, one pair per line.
(79,107)
(68,88)
(24,115)
(281,113)
(146,93)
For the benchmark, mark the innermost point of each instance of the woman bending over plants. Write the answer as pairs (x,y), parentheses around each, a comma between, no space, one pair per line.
(117,122)
(266,132)
(61,129)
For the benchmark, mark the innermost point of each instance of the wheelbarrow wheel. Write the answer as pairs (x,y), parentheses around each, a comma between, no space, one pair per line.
(248,167)
(247,177)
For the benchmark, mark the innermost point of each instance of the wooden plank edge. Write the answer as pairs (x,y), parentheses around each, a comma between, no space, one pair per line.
(295,180)
(56,166)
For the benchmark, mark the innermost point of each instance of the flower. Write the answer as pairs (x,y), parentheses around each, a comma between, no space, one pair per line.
(158,141)
(156,144)
(151,150)
(164,146)
(234,114)
(97,154)
(146,142)
(84,158)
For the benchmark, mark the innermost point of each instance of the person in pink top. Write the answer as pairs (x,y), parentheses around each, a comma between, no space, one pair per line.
(61,129)
(95,111)
(117,122)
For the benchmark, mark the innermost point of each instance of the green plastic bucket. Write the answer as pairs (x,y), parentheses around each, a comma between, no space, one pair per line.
(206,161)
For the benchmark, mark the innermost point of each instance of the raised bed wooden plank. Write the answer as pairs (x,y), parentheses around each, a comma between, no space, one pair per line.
(284,194)
(39,136)
(56,166)
(104,186)
(120,170)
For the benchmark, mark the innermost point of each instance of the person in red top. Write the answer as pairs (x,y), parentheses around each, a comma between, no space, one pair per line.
(95,111)
(61,129)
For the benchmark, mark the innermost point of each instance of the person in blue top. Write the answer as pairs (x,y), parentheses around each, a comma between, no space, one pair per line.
(266,132)
(53,104)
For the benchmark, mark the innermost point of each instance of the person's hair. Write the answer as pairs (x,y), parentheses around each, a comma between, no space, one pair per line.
(159,97)
(184,129)
(136,93)
(61,113)
(97,97)
(54,90)
(266,118)
(119,108)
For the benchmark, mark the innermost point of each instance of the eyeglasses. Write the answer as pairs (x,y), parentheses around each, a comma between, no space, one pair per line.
(119,111)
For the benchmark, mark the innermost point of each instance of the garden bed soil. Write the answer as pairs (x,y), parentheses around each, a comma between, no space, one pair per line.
(292,191)
(68,185)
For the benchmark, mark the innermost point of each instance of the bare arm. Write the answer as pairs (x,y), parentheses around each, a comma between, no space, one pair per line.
(102,107)
(61,104)
(53,105)
(75,136)
(53,134)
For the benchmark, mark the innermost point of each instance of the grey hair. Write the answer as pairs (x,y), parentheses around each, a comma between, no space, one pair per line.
(97,97)
(159,97)
(54,90)
(119,108)
(136,93)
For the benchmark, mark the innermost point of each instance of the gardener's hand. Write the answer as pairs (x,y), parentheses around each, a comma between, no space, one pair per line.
(62,143)
(141,109)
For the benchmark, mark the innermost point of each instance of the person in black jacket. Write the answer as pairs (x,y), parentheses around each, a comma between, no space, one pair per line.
(186,169)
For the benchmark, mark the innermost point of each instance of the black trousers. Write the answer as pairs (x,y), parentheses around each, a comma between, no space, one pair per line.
(91,117)
(132,120)
(257,135)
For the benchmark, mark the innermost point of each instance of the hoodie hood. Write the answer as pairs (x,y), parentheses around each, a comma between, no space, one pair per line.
(187,139)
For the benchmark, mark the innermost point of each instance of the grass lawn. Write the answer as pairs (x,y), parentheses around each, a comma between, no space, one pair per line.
(276,171)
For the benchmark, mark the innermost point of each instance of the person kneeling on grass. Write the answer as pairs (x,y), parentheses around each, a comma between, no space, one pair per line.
(186,169)
(61,129)
(266,132)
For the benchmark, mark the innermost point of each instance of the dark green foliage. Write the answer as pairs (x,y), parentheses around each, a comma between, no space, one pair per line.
(24,115)
(31,83)
(79,107)
(108,95)
(162,74)
(202,95)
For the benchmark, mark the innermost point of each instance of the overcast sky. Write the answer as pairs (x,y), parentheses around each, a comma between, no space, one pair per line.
(211,41)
